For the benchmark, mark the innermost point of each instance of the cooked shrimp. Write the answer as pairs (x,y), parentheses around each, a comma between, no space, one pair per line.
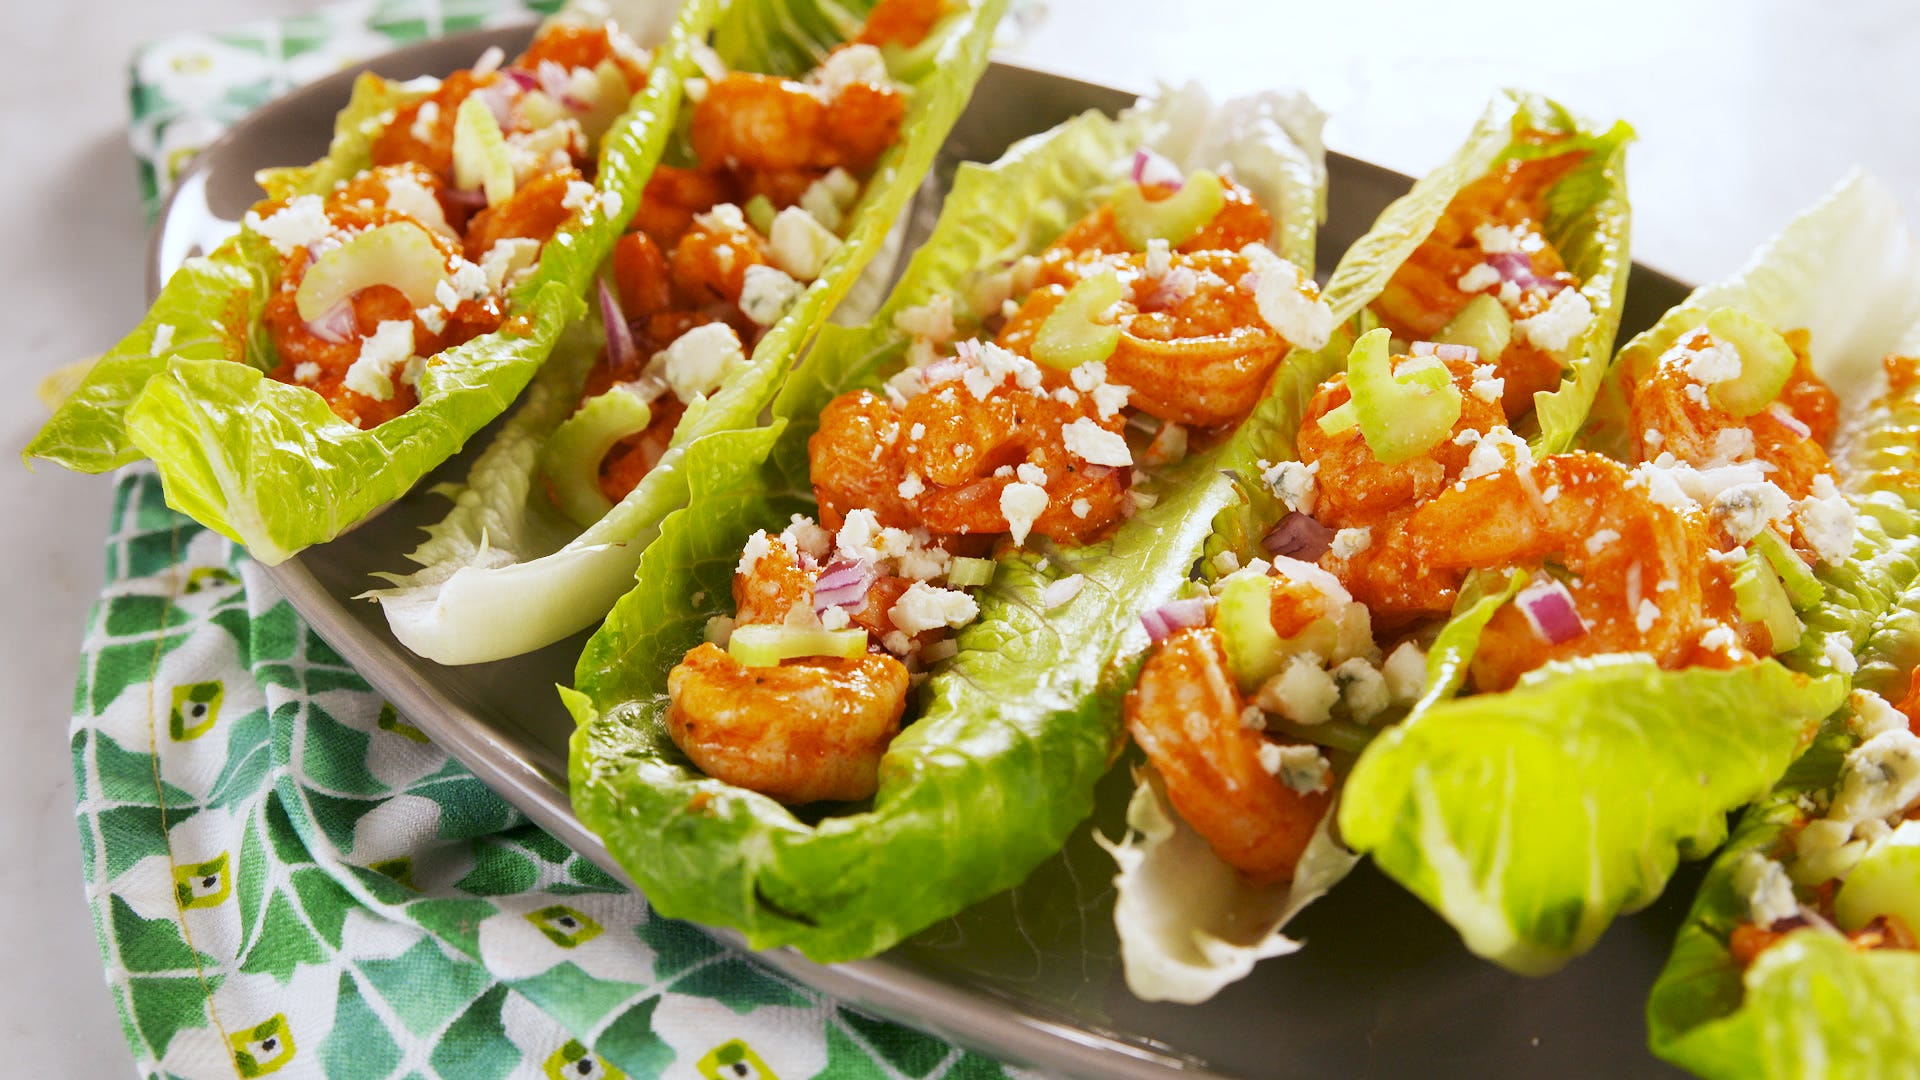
(1239,222)
(711,259)
(1185,715)
(1632,565)
(632,458)
(1425,294)
(1672,413)
(572,46)
(642,276)
(901,22)
(856,461)
(536,210)
(968,451)
(674,196)
(1357,491)
(803,731)
(429,143)
(750,121)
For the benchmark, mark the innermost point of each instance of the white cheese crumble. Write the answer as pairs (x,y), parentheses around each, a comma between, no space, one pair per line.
(801,246)
(828,197)
(1159,257)
(1363,688)
(1350,542)
(1716,363)
(579,192)
(1481,277)
(847,65)
(766,294)
(506,259)
(1880,777)
(1567,317)
(1405,672)
(1022,504)
(371,373)
(912,486)
(806,535)
(1839,659)
(1495,451)
(301,222)
(306,372)
(1743,510)
(433,318)
(1731,445)
(1497,239)
(1287,301)
(1303,692)
(1293,483)
(467,281)
(1827,521)
(698,360)
(1059,592)
(1303,768)
(1081,508)
(1095,445)
(1720,637)
(410,197)
(1645,615)
(1767,889)
(424,120)
(757,547)
(1873,715)
(1487,385)
(932,321)
(1029,473)
(1600,539)
(924,607)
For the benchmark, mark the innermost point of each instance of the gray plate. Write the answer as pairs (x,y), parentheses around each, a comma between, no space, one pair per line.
(1385,988)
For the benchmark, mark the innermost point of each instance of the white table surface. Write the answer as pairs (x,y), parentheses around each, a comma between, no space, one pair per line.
(1746,112)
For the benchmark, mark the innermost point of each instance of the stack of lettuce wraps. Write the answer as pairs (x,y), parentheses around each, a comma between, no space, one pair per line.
(1412,566)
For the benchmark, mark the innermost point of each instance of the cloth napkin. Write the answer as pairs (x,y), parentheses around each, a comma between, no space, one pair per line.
(285,875)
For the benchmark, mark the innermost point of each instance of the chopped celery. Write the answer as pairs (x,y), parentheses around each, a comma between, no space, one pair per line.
(480,158)
(965,573)
(1073,334)
(760,214)
(1244,614)
(572,455)
(1174,218)
(1760,598)
(1340,418)
(1885,882)
(608,99)
(537,110)
(1483,324)
(400,254)
(909,64)
(763,645)
(1401,413)
(1802,587)
(1766,361)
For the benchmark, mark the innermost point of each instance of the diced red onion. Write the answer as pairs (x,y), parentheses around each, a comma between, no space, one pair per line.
(1438,351)
(1152,169)
(1517,267)
(1298,536)
(945,369)
(498,97)
(471,200)
(1549,609)
(843,584)
(1178,615)
(335,325)
(524,79)
(1793,423)
(1171,289)
(620,347)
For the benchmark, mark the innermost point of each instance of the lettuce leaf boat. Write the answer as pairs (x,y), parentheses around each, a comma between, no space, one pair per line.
(1189,923)
(268,464)
(1014,730)
(1810,1003)
(505,572)
(1530,828)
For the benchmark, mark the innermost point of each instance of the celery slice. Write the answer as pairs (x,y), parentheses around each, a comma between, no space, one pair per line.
(400,254)
(1885,882)
(1766,361)
(1402,413)
(1483,324)
(1073,334)
(965,573)
(764,645)
(1255,652)
(572,454)
(1760,598)
(1803,589)
(760,214)
(480,158)
(1174,218)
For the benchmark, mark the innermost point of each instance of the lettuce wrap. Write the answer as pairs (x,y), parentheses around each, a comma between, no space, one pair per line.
(1809,1003)
(1013,731)
(269,464)
(505,572)
(1531,828)
(1189,923)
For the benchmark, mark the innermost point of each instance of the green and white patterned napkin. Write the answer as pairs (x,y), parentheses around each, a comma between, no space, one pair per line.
(288,878)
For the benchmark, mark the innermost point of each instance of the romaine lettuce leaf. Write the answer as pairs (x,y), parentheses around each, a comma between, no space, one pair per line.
(497,550)
(268,464)
(210,307)
(1846,270)
(1012,733)
(1529,819)
(1181,942)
